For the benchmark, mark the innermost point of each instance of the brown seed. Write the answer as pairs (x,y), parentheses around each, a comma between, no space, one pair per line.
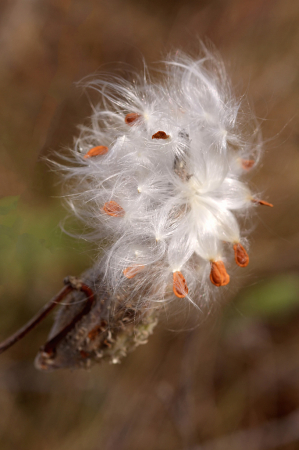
(160,135)
(98,329)
(96,151)
(247,163)
(107,343)
(131,271)
(113,209)
(219,275)
(262,202)
(180,287)
(131,118)
(241,256)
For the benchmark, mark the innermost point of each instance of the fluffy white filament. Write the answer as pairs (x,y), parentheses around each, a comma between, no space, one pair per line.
(165,190)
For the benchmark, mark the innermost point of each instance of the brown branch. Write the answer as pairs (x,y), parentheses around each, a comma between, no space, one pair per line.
(35,319)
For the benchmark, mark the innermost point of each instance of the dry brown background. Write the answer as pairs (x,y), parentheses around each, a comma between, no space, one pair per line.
(233,382)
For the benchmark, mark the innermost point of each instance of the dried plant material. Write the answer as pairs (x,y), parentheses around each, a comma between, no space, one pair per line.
(131,118)
(96,151)
(262,202)
(219,275)
(241,256)
(108,332)
(113,209)
(180,287)
(131,272)
(247,164)
(98,329)
(160,135)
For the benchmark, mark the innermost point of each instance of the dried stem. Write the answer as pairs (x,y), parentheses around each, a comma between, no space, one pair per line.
(36,319)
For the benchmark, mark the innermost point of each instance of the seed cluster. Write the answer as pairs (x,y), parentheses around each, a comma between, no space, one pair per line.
(159,174)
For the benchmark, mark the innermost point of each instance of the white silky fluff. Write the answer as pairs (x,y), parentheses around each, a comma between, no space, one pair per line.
(175,220)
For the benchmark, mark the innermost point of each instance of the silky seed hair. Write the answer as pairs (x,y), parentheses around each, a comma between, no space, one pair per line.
(159,175)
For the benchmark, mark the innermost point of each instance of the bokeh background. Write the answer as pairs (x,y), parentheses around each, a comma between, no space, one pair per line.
(233,381)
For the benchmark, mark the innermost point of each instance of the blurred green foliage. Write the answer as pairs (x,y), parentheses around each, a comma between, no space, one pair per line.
(35,256)
(273,298)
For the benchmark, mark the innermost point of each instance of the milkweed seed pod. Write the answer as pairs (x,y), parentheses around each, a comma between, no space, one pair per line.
(159,176)
(103,327)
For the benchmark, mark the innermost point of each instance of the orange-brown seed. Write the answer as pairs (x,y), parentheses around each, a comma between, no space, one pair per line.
(241,256)
(131,271)
(262,202)
(219,275)
(180,287)
(160,135)
(131,118)
(96,151)
(97,330)
(113,209)
(247,163)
